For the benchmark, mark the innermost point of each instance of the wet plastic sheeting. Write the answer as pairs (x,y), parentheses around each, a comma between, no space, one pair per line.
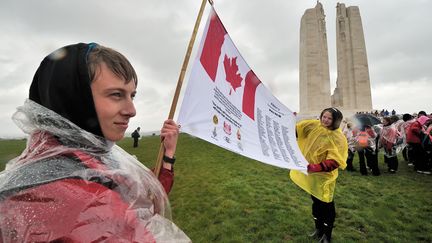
(71,186)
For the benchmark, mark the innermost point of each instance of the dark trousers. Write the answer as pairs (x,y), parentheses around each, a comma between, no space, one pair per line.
(135,144)
(417,156)
(324,215)
(361,153)
(371,161)
(405,153)
(428,156)
(392,163)
(349,161)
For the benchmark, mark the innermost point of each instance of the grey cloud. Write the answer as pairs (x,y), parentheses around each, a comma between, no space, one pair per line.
(154,36)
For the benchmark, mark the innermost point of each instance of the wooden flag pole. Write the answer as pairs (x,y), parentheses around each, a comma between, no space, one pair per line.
(180,82)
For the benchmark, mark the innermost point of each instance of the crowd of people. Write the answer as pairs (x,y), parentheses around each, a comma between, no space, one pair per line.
(409,134)
(80,103)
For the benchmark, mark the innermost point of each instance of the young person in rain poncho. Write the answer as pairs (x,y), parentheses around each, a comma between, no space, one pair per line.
(389,137)
(325,148)
(72,183)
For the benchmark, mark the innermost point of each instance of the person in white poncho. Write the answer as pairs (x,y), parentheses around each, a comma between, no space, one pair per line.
(72,183)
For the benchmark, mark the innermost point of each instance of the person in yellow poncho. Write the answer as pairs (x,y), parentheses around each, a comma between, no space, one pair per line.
(325,148)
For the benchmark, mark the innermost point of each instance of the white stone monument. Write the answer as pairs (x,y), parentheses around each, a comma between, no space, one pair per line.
(314,66)
(353,91)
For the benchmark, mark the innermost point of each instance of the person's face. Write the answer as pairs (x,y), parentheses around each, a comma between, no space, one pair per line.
(327,119)
(113,100)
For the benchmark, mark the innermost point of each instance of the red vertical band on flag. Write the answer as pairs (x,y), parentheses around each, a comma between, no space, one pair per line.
(212,46)
(251,84)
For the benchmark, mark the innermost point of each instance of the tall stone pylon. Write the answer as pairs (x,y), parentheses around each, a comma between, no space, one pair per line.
(314,65)
(353,91)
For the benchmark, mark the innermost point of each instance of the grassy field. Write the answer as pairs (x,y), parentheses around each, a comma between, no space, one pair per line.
(219,196)
(10,149)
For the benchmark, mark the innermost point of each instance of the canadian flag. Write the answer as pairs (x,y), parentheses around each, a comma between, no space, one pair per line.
(211,59)
(226,104)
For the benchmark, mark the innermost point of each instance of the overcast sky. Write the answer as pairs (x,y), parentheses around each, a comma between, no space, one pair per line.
(154,34)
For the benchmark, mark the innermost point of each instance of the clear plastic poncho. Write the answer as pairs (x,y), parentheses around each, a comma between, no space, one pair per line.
(402,127)
(390,140)
(72,186)
(317,144)
(350,135)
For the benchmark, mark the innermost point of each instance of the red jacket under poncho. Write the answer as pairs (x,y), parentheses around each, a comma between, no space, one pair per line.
(50,200)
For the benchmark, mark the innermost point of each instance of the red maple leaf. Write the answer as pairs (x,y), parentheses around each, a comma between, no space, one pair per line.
(231,70)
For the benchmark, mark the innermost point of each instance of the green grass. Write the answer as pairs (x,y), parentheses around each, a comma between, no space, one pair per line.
(219,196)
(10,149)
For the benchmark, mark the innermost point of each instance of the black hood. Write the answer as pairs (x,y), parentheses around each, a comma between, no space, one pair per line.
(62,84)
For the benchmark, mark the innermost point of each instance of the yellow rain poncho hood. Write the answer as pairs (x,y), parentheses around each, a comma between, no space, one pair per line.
(317,143)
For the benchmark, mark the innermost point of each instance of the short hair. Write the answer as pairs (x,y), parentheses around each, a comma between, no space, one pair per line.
(336,116)
(115,61)
(388,119)
(394,118)
(421,113)
(406,117)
